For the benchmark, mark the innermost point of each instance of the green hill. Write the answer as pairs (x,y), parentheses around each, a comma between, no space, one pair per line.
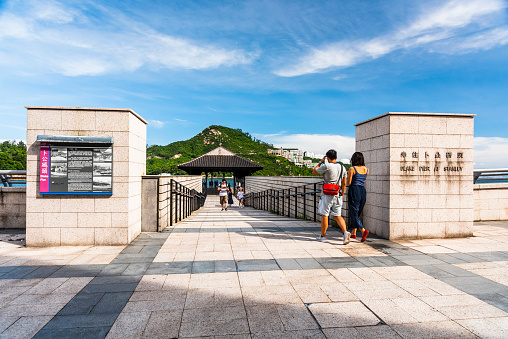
(164,159)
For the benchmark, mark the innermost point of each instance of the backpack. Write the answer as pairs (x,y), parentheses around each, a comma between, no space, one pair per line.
(331,189)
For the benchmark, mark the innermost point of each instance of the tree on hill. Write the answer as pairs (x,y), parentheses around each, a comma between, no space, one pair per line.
(13,155)
(165,159)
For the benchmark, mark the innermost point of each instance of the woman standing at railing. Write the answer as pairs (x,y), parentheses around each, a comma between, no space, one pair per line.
(357,195)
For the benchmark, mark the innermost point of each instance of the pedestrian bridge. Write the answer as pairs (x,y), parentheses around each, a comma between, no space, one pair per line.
(248,273)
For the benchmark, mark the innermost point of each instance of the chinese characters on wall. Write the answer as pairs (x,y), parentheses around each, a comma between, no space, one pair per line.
(451,161)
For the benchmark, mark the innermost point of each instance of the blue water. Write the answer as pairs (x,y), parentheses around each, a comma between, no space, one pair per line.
(229,181)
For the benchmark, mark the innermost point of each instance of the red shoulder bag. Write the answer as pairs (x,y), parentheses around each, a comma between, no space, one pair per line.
(331,189)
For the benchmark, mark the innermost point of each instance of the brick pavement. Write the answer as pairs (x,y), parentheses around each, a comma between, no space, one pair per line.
(250,274)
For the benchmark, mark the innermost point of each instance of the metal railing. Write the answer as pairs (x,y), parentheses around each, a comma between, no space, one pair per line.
(485,176)
(13,177)
(289,201)
(182,201)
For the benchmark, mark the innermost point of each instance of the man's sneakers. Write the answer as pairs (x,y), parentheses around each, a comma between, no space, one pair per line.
(347,236)
(353,236)
(321,238)
(365,234)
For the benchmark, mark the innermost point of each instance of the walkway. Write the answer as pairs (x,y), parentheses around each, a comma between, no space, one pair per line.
(250,274)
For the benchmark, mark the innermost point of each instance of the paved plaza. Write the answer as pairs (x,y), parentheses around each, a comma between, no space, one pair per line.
(245,273)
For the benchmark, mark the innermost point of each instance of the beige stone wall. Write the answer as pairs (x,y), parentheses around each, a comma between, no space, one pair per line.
(411,193)
(54,220)
(192,182)
(254,184)
(491,202)
(12,207)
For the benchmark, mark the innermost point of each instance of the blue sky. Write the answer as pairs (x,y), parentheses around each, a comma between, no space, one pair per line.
(294,73)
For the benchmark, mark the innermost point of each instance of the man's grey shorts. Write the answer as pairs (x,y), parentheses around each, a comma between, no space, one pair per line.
(330,205)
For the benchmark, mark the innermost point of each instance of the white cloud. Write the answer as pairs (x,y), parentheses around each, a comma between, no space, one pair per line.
(316,143)
(480,41)
(157,123)
(434,25)
(51,36)
(490,152)
(181,120)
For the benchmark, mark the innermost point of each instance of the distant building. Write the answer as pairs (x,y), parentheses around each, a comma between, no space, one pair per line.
(293,155)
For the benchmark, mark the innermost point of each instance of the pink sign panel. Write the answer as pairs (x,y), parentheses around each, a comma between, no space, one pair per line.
(44,170)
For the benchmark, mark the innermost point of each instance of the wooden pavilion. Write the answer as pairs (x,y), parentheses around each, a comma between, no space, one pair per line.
(220,160)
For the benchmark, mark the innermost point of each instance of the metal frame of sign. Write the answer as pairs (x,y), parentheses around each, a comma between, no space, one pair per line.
(46,180)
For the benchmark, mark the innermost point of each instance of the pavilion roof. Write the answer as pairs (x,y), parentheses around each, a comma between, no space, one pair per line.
(220,160)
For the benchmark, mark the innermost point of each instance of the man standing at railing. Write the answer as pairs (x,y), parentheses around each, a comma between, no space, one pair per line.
(334,176)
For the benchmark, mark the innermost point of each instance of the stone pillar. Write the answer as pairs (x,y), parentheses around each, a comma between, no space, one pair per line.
(54,220)
(421,174)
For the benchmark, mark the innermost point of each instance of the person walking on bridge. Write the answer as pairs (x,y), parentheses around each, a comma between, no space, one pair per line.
(334,176)
(223,195)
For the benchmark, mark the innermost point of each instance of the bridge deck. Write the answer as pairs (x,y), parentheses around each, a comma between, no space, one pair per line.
(249,273)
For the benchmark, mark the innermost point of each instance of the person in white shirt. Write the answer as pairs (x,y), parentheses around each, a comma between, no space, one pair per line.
(333,173)
(223,194)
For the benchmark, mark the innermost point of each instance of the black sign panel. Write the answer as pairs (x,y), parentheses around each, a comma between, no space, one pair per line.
(81,170)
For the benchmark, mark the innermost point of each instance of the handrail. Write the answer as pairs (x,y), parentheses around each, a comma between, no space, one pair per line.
(490,175)
(182,200)
(287,201)
(10,177)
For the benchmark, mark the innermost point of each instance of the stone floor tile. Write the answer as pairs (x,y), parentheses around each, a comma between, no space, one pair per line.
(389,312)
(459,312)
(296,317)
(30,310)
(163,324)
(302,334)
(418,288)
(424,330)
(264,318)
(451,300)
(343,333)
(176,281)
(46,286)
(338,292)
(25,327)
(200,297)
(129,325)
(487,328)
(218,328)
(42,299)
(5,322)
(72,285)
(366,274)
(344,275)
(275,278)
(401,273)
(311,293)
(159,295)
(151,283)
(343,314)
(214,314)
(157,305)
(378,332)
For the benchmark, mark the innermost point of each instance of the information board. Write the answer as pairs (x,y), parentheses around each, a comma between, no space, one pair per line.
(77,170)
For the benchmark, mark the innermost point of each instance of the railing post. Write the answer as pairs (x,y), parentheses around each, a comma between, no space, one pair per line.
(296,202)
(315,205)
(289,202)
(278,202)
(304,201)
(171,202)
(283,202)
(180,207)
